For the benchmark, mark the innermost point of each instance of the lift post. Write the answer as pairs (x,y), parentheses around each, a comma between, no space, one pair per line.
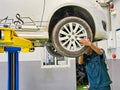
(10,42)
(13,67)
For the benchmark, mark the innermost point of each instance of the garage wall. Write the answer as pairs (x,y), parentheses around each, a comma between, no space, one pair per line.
(33,77)
(114,71)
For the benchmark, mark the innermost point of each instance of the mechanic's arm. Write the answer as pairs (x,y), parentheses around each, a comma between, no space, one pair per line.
(87,42)
(80,59)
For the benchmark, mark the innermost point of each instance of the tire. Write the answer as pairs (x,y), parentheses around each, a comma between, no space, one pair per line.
(51,50)
(67,33)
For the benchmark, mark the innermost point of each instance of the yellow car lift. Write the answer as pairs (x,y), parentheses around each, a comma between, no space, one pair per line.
(8,37)
(12,43)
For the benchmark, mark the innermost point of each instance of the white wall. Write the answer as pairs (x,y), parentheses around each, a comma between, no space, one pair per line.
(33,77)
(37,55)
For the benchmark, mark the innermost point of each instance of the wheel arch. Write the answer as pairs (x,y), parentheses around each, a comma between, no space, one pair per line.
(71,10)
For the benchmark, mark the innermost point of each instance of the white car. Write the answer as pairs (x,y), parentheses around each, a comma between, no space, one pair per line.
(60,23)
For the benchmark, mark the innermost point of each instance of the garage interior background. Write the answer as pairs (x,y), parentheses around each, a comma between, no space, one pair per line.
(34,76)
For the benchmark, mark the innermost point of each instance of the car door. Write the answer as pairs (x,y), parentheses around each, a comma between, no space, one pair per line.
(33,9)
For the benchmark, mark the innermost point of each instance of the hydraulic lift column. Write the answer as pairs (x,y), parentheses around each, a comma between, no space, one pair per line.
(12,43)
(13,67)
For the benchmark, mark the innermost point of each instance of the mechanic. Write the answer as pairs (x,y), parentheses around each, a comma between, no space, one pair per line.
(96,68)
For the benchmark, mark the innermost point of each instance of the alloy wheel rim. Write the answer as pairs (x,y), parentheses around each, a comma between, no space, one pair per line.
(70,34)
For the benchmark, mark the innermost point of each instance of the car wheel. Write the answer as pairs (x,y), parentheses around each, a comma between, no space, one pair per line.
(67,33)
(51,50)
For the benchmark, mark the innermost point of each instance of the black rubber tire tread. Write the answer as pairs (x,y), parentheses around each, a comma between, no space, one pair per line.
(55,34)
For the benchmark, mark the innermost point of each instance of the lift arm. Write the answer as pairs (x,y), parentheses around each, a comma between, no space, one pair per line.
(8,37)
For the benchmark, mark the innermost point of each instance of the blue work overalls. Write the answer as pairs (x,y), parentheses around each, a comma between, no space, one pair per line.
(96,69)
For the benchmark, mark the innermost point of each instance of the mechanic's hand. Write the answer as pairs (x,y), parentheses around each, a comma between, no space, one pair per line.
(85,41)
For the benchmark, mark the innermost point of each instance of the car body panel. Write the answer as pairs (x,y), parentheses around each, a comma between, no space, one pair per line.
(41,12)
(93,8)
(29,8)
